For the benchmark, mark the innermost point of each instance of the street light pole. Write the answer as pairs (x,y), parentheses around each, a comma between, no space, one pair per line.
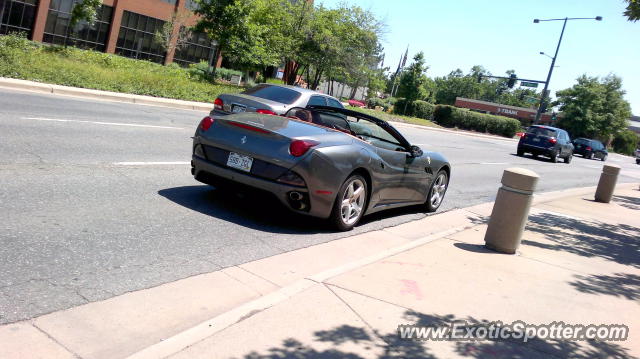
(543,96)
(546,84)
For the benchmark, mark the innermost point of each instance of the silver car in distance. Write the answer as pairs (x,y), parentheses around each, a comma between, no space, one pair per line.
(320,161)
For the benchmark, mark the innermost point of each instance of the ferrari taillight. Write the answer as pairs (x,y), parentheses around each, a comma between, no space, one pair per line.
(206,123)
(298,148)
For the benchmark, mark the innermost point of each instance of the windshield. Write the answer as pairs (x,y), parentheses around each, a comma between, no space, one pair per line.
(274,93)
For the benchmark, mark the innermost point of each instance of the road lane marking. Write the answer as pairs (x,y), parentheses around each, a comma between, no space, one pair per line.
(493,163)
(102,123)
(150,163)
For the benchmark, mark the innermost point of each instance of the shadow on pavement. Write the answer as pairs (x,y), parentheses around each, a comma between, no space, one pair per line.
(632,203)
(259,210)
(623,285)
(618,243)
(391,345)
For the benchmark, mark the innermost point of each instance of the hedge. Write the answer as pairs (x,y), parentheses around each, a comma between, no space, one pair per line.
(450,116)
(626,142)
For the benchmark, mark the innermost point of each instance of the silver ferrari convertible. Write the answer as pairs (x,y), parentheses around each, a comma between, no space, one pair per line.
(320,161)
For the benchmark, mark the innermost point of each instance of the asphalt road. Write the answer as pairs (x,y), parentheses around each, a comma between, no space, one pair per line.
(96,200)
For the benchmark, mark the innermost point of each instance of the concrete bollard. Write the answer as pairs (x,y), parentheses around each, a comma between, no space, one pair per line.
(607,183)
(511,210)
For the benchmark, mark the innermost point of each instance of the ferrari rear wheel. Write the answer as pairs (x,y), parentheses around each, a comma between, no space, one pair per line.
(350,203)
(437,191)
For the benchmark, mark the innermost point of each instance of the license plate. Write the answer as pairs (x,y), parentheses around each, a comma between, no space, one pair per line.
(240,162)
(238,109)
(536,139)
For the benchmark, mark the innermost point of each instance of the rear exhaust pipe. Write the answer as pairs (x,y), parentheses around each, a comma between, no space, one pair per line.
(295,196)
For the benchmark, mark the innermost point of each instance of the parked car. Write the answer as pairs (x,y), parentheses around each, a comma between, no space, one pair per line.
(590,149)
(320,161)
(547,141)
(356,103)
(271,99)
(638,156)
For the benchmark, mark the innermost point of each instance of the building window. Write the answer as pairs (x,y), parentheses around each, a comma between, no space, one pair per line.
(135,38)
(198,48)
(85,36)
(191,5)
(17,16)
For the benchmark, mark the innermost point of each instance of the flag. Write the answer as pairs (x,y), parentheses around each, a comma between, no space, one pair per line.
(406,53)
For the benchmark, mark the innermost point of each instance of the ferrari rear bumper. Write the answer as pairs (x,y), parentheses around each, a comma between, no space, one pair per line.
(295,198)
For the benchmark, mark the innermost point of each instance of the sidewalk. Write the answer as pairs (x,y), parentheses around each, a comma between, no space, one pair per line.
(579,263)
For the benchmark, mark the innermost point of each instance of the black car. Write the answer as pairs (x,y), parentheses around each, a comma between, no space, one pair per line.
(590,149)
(547,141)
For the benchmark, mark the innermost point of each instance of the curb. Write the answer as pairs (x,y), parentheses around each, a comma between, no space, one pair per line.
(210,327)
(16,84)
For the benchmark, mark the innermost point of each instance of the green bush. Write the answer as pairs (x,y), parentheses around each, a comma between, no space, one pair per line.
(372,102)
(626,142)
(27,60)
(203,71)
(423,109)
(385,103)
(449,116)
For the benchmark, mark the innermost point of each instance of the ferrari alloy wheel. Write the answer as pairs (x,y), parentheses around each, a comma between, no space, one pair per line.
(437,191)
(350,203)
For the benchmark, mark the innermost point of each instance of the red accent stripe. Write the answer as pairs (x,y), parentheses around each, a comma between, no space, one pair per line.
(324,192)
(248,127)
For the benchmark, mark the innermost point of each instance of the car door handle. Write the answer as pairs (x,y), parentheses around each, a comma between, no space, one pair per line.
(382,164)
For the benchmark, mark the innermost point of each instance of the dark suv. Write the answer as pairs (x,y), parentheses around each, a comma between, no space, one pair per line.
(547,141)
(590,149)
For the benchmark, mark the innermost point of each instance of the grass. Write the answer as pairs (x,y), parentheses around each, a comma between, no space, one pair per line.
(27,60)
(274,81)
(394,117)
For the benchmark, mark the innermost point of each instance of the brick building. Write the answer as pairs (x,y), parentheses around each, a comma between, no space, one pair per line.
(525,115)
(124,27)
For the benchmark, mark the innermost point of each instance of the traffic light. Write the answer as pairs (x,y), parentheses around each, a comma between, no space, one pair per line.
(543,106)
(512,80)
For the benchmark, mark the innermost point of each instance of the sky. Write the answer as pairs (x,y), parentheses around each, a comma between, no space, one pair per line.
(500,35)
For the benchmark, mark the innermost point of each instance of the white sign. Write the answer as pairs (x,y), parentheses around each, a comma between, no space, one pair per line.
(235,79)
(508,111)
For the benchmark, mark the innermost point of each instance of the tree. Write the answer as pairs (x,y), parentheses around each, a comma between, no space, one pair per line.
(170,38)
(225,21)
(83,10)
(413,79)
(456,84)
(261,45)
(594,108)
(632,11)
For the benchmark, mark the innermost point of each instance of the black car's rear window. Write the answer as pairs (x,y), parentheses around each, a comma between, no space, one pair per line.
(541,131)
(274,93)
(583,141)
